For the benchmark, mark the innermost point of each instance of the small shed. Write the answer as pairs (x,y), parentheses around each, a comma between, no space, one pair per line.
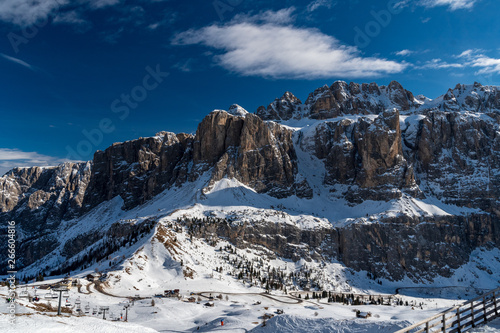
(364,315)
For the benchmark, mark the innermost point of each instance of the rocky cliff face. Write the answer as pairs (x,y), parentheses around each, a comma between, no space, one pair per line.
(456,155)
(419,248)
(235,145)
(447,147)
(374,143)
(140,169)
(40,197)
(246,148)
(365,154)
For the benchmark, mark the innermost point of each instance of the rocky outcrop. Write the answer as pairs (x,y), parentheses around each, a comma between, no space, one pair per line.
(256,153)
(40,197)
(284,108)
(420,248)
(140,169)
(344,99)
(456,155)
(364,153)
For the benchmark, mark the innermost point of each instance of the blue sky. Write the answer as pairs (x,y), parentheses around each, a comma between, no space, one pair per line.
(80,75)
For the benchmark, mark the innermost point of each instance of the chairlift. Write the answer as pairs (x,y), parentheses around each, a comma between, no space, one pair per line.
(51,295)
(68,303)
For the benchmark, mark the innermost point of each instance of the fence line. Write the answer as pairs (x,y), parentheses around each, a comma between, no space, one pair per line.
(459,319)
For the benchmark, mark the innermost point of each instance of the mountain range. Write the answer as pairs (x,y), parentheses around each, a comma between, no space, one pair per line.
(370,177)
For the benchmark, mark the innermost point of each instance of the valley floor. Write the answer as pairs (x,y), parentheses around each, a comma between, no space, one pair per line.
(241,311)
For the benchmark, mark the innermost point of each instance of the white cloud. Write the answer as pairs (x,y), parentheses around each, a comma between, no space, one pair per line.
(17,61)
(282,16)
(320,3)
(28,12)
(11,158)
(401,4)
(475,58)
(469,54)
(439,64)
(25,13)
(404,53)
(72,17)
(102,3)
(259,47)
(486,64)
(452,4)
(472,58)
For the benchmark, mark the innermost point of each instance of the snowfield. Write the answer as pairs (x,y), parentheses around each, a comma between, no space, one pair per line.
(168,258)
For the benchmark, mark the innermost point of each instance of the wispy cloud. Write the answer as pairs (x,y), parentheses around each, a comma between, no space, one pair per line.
(282,16)
(320,3)
(476,58)
(11,158)
(112,37)
(168,19)
(404,53)
(17,61)
(268,45)
(184,66)
(103,3)
(25,13)
(452,4)
(439,64)
(472,58)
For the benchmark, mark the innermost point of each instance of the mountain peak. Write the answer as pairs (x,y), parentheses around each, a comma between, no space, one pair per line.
(237,110)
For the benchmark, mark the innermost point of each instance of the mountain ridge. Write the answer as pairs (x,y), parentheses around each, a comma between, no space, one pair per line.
(438,165)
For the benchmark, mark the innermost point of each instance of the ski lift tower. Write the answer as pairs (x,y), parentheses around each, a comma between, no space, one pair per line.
(104,309)
(126,306)
(60,290)
(78,305)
